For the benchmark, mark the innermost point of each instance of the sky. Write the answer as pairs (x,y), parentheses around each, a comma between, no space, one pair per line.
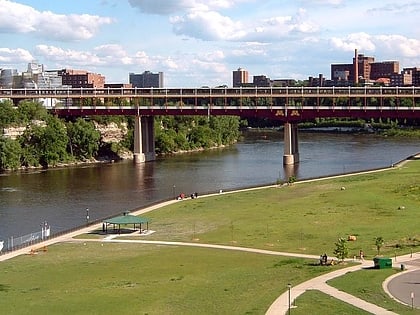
(200,42)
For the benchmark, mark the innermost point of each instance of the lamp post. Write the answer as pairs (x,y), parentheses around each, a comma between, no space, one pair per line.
(289,286)
(173,191)
(87,216)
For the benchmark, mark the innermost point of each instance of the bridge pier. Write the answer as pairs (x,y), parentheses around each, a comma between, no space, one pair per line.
(291,144)
(144,139)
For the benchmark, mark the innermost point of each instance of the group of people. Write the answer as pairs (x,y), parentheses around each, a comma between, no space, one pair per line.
(181,196)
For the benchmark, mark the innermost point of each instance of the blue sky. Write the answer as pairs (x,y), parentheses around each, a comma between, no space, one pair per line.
(200,42)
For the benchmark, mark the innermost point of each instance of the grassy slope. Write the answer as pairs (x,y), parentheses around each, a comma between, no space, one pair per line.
(305,217)
(131,278)
(96,278)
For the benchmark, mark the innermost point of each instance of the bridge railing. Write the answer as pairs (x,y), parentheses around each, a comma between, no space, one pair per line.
(213,92)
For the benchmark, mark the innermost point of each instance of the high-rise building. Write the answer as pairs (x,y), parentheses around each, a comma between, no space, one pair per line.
(146,79)
(7,78)
(240,77)
(363,67)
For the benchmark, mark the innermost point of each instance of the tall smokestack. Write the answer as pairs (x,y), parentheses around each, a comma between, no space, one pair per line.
(356,67)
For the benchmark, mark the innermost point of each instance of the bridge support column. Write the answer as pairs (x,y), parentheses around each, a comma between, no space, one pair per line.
(291,144)
(144,139)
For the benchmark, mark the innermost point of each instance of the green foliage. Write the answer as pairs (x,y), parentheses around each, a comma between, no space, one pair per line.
(106,119)
(9,154)
(341,250)
(8,114)
(291,179)
(28,142)
(379,242)
(83,139)
(177,133)
(44,145)
(29,110)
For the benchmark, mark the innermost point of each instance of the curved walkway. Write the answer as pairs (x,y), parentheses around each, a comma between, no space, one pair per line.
(281,304)
(398,287)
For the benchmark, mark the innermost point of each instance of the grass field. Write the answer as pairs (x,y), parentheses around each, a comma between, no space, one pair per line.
(109,278)
(305,217)
(91,277)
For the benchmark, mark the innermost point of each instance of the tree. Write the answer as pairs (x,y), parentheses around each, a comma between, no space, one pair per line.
(8,114)
(44,145)
(341,250)
(28,143)
(379,242)
(29,111)
(53,143)
(9,154)
(83,139)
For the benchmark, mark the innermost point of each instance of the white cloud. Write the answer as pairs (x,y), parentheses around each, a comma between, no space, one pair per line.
(323,2)
(168,7)
(207,25)
(212,26)
(360,41)
(399,45)
(385,44)
(67,56)
(15,56)
(19,18)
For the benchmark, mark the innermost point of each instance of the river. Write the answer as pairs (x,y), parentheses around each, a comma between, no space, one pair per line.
(61,196)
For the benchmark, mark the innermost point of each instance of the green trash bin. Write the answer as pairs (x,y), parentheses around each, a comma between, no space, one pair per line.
(382,262)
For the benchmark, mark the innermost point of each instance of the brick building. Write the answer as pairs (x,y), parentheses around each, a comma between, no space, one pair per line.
(81,79)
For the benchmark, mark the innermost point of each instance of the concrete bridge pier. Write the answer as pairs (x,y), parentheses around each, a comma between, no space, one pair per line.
(144,139)
(291,145)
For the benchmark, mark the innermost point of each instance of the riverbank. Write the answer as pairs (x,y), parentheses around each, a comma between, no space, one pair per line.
(277,219)
(140,211)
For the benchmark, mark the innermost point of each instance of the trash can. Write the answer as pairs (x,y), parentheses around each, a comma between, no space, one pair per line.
(402,267)
(382,262)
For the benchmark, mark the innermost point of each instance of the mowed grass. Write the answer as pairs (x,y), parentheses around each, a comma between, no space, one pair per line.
(90,277)
(116,278)
(316,302)
(305,217)
(367,285)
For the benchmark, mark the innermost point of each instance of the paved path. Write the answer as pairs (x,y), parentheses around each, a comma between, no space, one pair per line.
(399,286)
(281,304)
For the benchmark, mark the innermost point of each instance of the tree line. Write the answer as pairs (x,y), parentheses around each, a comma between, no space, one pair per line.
(48,140)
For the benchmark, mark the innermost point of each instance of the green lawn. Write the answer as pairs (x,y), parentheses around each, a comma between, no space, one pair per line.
(367,284)
(305,217)
(316,302)
(110,278)
(96,278)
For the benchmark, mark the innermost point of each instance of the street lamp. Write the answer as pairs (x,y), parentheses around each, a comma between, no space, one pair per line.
(87,215)
(289,286)
(173,191)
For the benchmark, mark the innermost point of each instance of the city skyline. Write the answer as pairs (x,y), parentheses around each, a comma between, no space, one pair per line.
(196,42)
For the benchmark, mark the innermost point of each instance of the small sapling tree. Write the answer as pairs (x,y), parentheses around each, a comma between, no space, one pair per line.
(341,250)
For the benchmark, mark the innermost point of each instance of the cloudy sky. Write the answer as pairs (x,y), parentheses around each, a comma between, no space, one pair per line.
(200,42)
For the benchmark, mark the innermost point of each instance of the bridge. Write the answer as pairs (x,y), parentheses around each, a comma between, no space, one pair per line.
(290,105)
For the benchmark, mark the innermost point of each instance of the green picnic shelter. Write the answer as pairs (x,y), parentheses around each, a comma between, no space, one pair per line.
(125,219)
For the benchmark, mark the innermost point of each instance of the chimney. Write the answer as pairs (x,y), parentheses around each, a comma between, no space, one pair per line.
(356,67)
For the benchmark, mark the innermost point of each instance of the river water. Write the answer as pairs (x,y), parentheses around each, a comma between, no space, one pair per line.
(61,196)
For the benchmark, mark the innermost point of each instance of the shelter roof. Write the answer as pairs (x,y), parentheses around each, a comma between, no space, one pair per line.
(126,219)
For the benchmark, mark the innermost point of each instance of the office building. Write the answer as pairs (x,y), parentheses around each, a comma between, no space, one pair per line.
(261,81)
(240,77)
(81,79)
(146,79)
